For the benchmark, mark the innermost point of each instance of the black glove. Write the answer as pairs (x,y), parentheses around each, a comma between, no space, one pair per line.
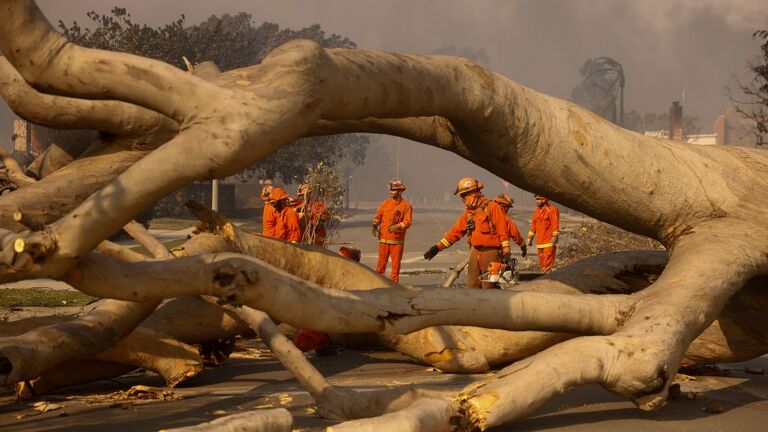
(523,250)
(555,240)
(506,258)
(434,250)
(375,231)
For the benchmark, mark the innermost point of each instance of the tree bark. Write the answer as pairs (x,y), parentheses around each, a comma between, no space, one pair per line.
(631,343)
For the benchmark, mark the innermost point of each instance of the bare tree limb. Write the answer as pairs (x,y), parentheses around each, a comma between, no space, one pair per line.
(31,354)
(248,281)
(118,118)
(14,171)
(266,420)
(143,236)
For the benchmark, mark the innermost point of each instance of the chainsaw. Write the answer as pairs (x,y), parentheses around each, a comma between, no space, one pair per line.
(503,273)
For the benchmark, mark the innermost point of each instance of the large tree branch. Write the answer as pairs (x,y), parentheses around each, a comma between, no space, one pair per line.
(639,360)
(118,118)
(435,130)
(54,65)
(52,197)
(498,116)
(394,310)
(31,354)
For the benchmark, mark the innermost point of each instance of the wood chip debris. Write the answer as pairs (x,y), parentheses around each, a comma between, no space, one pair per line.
(44,406)
(40,407)
(137,392)
(253,353)
(683,377)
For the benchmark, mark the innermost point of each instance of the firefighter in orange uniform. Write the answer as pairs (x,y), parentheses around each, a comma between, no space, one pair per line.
(269,216)
(392,220)
(287,226)
(505,201)
(485,225)
(313,215)
(545,226)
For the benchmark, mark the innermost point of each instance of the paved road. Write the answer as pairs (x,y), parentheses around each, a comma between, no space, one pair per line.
(247,382)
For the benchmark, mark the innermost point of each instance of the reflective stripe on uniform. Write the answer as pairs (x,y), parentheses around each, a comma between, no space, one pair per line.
(445,242)
(545,245)
(391,242)
(530,233)
(505,243)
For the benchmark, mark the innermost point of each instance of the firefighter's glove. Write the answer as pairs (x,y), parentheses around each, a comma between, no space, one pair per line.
(555,239)
(434,250)
(523,250)
(530,241)
(506,258)
(375,231)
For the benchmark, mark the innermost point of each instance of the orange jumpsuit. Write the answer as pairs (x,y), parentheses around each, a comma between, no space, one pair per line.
(489,239)
(268,221)
(314,214)
(544,225)
(513,232)
(287,227)
(397,214)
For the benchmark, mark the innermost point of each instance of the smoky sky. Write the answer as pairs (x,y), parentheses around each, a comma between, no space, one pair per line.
(663,45)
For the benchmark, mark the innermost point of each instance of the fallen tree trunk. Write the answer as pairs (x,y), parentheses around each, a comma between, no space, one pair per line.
(632,344)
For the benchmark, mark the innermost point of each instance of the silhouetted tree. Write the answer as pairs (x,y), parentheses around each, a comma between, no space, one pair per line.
(754,104)
(602,88)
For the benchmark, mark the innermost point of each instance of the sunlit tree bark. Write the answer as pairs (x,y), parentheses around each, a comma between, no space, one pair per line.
(705,204)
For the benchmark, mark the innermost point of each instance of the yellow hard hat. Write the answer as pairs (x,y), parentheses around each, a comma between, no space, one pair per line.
(467,184)
(396,185)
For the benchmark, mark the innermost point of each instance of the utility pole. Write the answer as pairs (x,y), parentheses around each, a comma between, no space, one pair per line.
(28,137)
(347,178)
(215,194)
(397,159)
